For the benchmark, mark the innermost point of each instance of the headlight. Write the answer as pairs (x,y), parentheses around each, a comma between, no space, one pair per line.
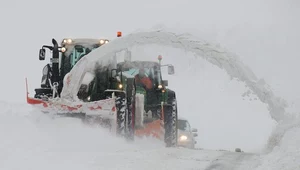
(106,41)
(102,42)
(63,49)
(120,86)
(67,41)
(89,98)
(182,138)
(160,86)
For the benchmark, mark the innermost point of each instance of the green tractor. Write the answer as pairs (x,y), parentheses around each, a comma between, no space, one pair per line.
(158,109)
(158,102)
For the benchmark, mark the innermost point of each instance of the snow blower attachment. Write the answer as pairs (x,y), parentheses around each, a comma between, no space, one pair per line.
(112,96)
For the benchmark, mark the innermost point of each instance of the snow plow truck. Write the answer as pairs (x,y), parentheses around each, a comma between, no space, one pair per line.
(109,95)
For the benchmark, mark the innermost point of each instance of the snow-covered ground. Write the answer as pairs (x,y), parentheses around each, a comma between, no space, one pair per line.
(32,141)
(283,149)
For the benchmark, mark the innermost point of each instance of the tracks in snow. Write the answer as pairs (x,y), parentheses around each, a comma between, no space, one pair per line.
(234,161)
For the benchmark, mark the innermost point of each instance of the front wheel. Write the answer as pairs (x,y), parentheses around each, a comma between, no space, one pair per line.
(125,115)
(171,116)
(130,121)
(121,108)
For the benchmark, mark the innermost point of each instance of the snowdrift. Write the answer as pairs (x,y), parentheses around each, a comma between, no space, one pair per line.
(283,149)
(35,141)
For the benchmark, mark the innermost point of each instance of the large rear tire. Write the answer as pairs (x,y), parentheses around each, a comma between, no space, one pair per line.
(130,92)
(121,108)
(171,116)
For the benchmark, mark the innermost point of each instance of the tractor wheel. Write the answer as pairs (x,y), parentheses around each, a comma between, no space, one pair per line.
(121,114)
(130,91)
(171,116)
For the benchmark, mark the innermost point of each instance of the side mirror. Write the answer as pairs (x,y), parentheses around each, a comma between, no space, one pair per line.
(194,130)
(42,54)
(195,134)
(165,82)
(171,70)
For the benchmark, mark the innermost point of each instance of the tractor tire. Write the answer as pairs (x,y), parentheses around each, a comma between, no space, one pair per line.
(121,108)
(130,123)
(170,123)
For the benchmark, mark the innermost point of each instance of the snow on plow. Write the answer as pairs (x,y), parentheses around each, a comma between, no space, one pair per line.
(105,108)
(109,89)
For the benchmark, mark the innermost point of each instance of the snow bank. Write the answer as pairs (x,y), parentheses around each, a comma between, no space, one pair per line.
(283,151)
(32,140)
(215,55)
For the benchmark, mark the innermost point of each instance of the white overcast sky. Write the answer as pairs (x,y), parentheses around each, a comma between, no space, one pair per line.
(264,33)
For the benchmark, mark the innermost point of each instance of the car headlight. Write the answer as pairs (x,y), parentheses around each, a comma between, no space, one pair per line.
(183,138)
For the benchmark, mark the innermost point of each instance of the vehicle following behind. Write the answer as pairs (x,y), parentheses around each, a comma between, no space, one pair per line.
(186,134)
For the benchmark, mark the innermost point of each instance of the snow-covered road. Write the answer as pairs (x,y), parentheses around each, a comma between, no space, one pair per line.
(234,161)
(33,141)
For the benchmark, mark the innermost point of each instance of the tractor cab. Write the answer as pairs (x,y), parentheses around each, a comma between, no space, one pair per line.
(150,69)
(74,49)
(152,72)
(64,58)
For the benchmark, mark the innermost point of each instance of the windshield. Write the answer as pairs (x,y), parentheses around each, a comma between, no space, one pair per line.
(149,72)
(151,69)
(184,125)
(78,52)
(73,55)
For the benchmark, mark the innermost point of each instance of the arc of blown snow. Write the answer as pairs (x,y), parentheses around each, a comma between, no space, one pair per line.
(215,55)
